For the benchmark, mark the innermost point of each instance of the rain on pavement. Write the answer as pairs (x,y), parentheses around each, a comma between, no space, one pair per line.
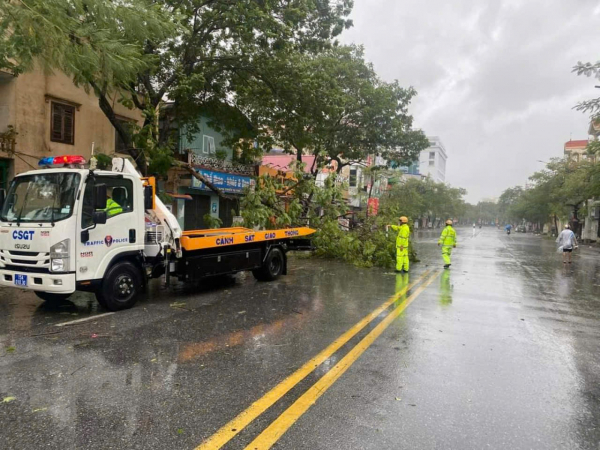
(501,351)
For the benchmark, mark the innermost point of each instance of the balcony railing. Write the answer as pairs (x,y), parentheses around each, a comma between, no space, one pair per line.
(220,165)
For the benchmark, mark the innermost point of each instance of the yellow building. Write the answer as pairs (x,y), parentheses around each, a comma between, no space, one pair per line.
(52,117)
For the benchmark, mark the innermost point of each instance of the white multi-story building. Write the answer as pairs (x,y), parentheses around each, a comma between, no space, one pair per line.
(432,161)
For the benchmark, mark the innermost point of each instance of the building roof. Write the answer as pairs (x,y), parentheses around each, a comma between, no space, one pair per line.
(283,162)
(578,144)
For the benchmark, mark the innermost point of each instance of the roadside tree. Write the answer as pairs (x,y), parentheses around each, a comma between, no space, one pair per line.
(185,51)
(425,199)
(330,104)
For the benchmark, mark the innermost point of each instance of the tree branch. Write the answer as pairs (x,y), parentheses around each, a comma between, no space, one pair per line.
(203,179)
(137,154)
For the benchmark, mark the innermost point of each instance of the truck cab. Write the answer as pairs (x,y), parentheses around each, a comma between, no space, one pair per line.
(61,228)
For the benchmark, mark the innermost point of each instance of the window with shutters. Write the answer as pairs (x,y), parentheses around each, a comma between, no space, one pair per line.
(208,144)
(62,125)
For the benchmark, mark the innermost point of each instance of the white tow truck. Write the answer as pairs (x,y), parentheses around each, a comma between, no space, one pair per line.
(66,227)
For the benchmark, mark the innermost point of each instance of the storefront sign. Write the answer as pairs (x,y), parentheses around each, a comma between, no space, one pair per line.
(226,182)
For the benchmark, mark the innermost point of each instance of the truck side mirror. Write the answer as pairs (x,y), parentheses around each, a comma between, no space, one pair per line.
(99,196)
(2,197)
(148,200)
(99,217)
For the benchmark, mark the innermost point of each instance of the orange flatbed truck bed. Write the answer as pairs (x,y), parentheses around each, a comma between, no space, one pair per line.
(230,250)
(222,237)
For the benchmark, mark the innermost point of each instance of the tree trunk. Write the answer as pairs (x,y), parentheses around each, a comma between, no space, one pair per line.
(137,154)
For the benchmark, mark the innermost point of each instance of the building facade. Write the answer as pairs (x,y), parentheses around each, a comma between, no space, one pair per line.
(590,229)
(576,150)
(203,149)
(587,226)
(51,116)
(432,161)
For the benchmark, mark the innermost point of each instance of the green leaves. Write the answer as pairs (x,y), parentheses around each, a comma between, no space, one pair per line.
(330,103)
(212,222)
(91,40)
(554,190)
(274,203)
(590,70)
(424,198)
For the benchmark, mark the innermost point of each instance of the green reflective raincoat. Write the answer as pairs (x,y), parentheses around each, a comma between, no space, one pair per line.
(112,208)
(447,241)
(403,230)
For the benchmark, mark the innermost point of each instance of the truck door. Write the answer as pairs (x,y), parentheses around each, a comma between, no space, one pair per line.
(105,241)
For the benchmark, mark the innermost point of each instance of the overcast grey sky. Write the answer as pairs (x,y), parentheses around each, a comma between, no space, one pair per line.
(494,78)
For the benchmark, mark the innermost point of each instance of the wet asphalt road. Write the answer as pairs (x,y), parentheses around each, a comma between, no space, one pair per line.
(502,351)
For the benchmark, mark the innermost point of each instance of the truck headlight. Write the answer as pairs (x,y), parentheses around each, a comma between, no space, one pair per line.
(57,265)
(59,256)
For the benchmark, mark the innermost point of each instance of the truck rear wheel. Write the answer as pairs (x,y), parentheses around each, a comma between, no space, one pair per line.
(273,266)
(121,287)
(51,297)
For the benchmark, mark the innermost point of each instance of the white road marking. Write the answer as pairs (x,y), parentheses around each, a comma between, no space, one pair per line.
(87,319)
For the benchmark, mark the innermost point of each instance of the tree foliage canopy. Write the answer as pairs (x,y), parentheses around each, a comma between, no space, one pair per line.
(331,104)
(425,198)
(590,70)
(186,51)
(554,191)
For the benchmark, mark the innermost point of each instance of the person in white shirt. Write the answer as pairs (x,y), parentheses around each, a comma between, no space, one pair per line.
(567,240)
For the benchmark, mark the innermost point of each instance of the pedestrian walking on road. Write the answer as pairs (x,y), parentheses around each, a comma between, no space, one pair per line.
(568,241)
(448,242)
(402,263)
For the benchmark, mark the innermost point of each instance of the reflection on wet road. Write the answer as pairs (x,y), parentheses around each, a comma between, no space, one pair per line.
(502,351)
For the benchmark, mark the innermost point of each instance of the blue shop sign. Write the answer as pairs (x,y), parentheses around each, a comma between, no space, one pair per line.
(226,182)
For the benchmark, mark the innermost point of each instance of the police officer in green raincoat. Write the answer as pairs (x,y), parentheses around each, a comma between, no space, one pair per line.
(448,242)
(402,263)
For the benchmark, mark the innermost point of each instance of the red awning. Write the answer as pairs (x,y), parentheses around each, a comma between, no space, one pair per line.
(180,196)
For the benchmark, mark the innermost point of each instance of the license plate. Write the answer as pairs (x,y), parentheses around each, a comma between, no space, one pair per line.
(21,280)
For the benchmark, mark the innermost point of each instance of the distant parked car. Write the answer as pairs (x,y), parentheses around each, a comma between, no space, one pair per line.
(521,229)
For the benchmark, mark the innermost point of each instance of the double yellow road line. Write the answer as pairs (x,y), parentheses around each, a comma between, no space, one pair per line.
(277,428)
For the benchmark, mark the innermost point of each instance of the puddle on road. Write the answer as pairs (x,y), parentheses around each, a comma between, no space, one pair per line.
(22,311)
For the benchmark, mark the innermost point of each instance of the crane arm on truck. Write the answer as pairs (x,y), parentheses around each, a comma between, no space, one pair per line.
(123,165)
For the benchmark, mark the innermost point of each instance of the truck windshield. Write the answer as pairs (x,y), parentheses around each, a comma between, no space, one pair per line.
(47,197)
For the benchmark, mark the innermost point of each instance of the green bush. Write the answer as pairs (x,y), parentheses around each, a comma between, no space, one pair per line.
(212,222)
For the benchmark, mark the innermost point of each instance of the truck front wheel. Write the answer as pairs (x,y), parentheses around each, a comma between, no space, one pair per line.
(273,266)
(121,287)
